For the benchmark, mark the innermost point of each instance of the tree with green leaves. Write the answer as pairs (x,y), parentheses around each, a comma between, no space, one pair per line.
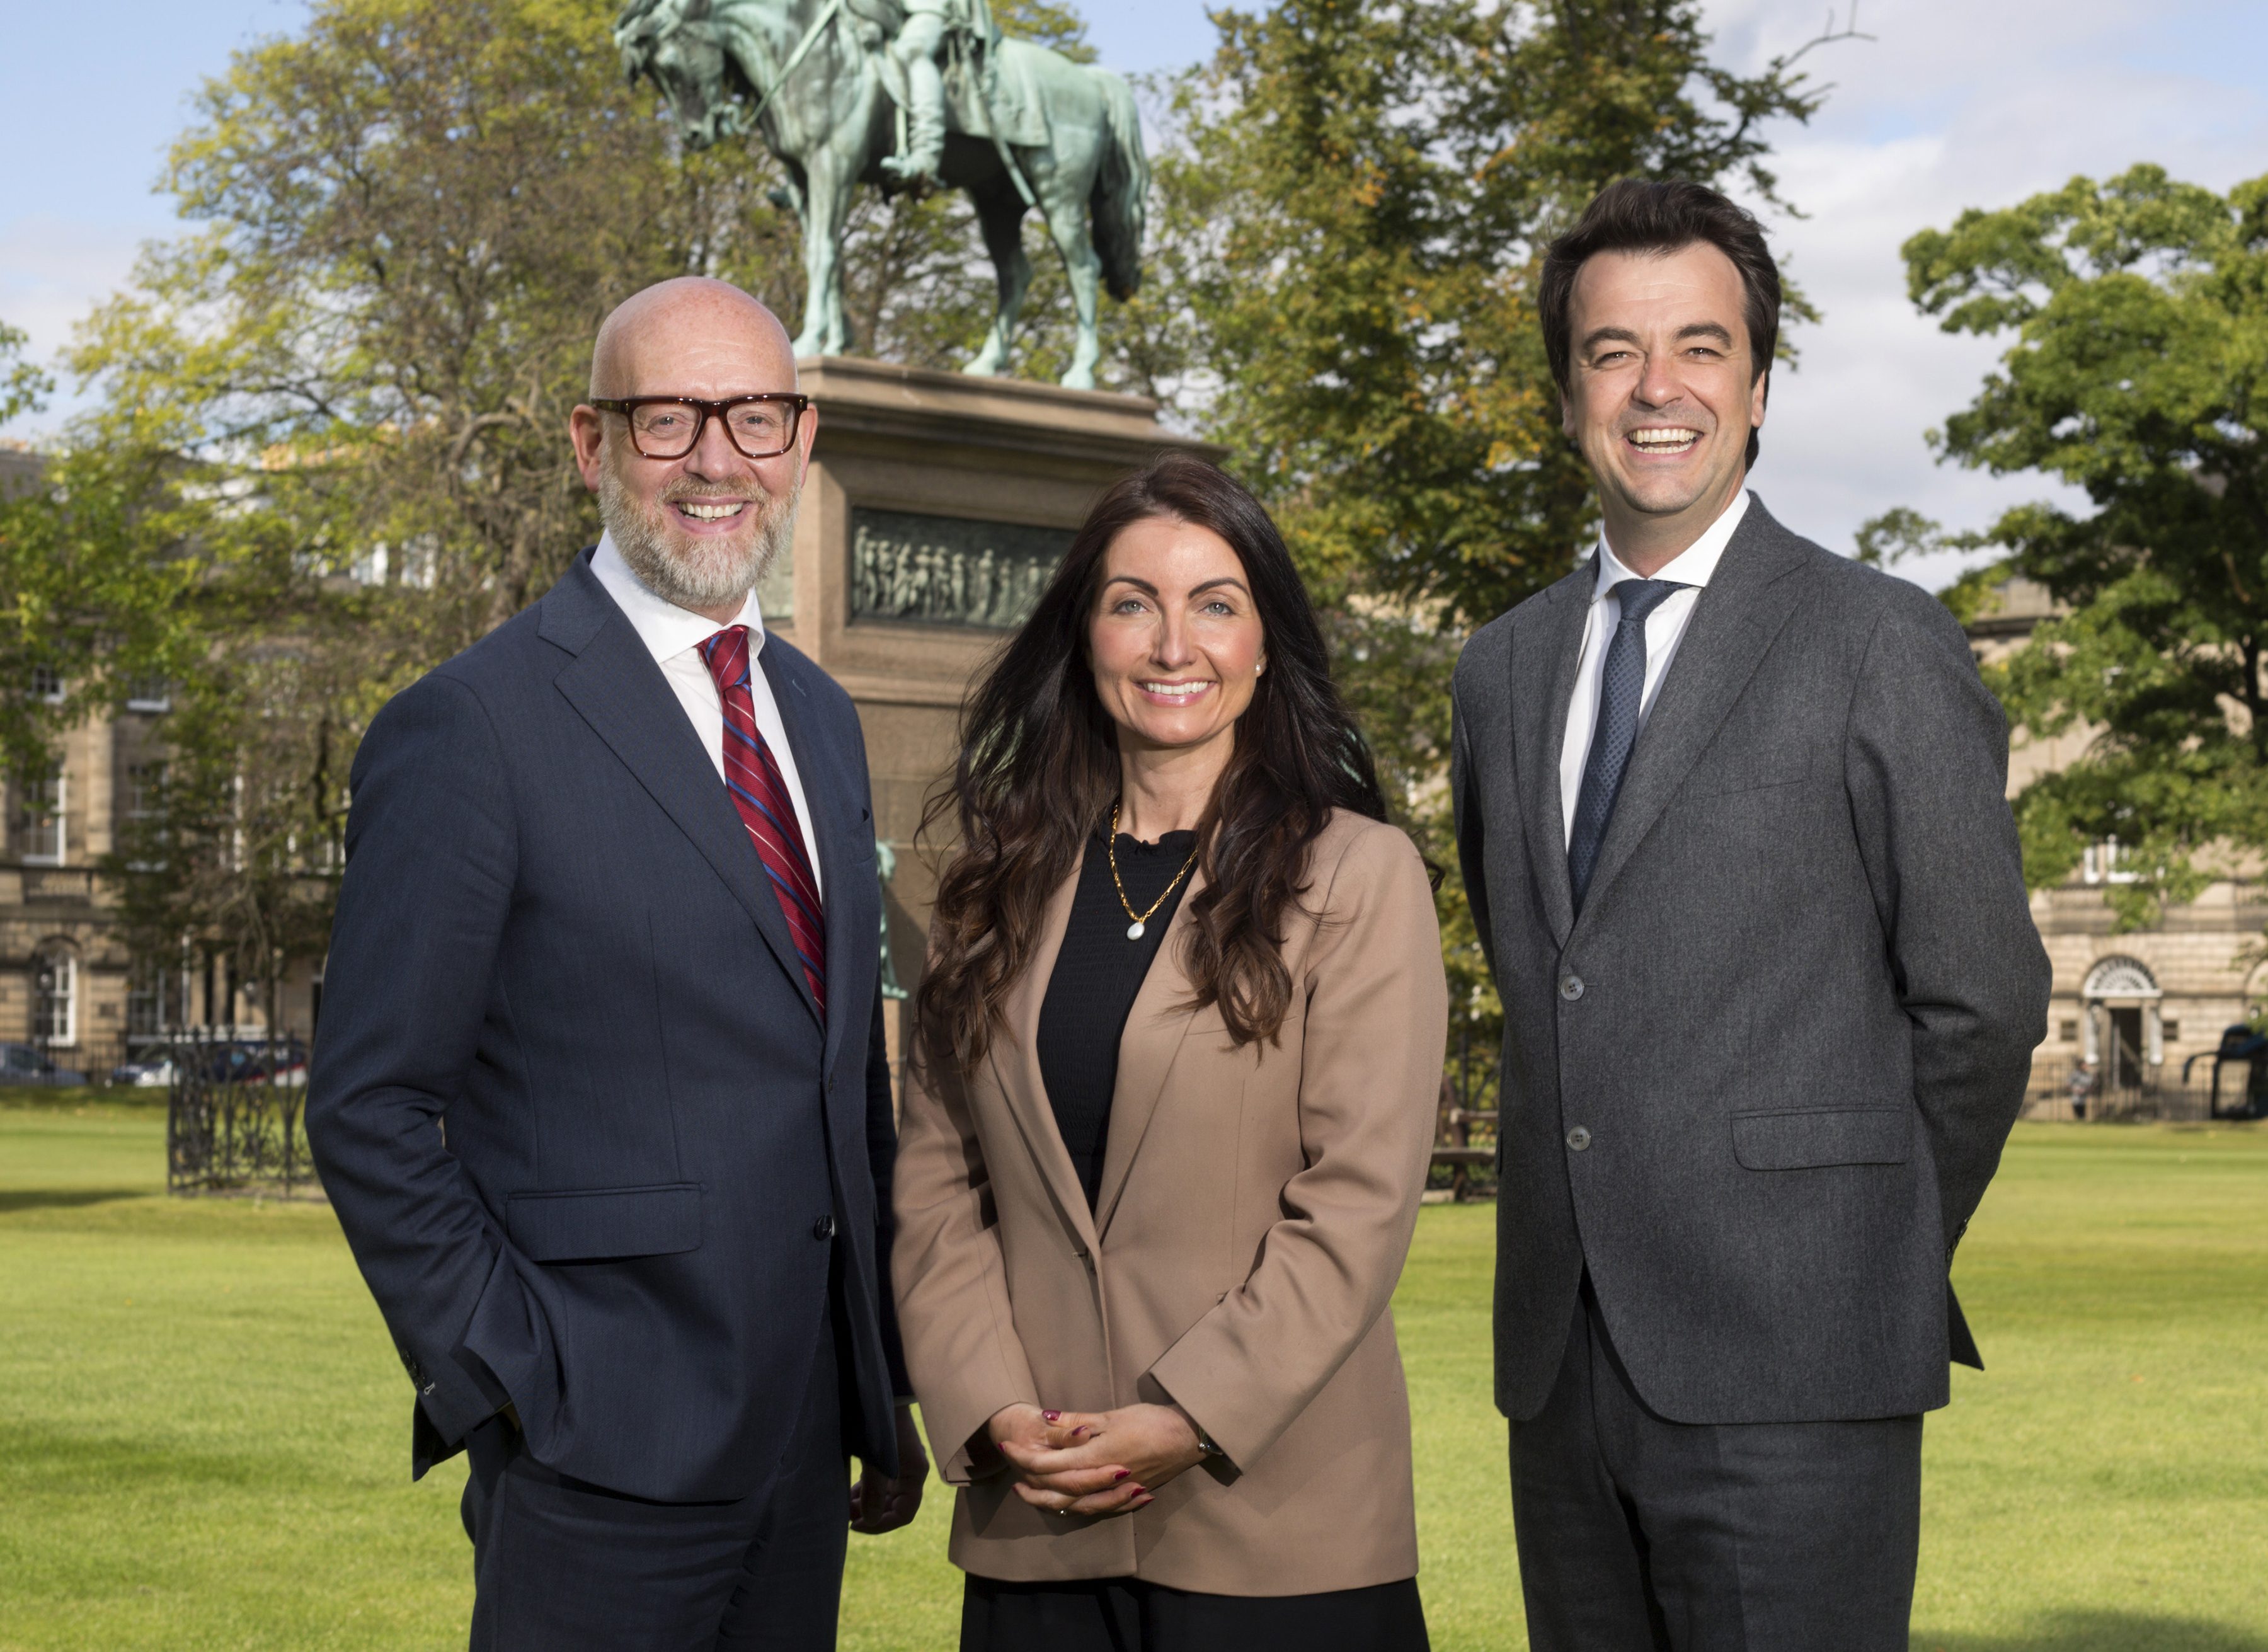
(92,576)
(2137,310)
(22,384)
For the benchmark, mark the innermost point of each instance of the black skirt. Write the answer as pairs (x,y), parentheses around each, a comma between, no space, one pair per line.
(1124,1614)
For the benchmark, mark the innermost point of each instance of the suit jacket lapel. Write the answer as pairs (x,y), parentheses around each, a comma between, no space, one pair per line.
(826,793)
(1733,624)
(1015,1060)
(1155,1030)
(619,690)
(1543,682)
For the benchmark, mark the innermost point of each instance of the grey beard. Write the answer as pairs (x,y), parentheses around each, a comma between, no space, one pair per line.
(694,573)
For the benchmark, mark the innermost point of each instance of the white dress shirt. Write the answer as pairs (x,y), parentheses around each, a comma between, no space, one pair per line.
(674,635)
(1665,629)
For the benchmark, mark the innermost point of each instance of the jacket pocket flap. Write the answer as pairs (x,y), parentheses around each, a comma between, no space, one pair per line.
(615,1222)
(1734,777)
(1819,1136)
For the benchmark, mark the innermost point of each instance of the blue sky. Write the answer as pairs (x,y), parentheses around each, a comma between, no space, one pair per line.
(1956,103)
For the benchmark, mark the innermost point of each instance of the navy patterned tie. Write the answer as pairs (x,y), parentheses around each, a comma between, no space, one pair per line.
(1622,687)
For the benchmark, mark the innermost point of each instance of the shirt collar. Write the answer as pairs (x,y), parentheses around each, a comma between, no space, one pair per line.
(666,629)
(1694,565)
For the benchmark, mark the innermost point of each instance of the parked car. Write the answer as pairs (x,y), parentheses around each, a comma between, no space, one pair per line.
(25,1064)
(253,1061)
(235,1061)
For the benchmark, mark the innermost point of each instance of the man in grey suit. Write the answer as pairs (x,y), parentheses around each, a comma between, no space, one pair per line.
(1732,818)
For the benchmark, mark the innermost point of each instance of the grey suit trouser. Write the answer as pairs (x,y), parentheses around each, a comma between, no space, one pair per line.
(1638,1535)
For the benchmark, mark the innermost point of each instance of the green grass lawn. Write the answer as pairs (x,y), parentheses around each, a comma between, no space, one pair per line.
(204,1435)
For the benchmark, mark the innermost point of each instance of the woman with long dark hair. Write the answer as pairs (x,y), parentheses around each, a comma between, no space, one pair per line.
(1179,1049)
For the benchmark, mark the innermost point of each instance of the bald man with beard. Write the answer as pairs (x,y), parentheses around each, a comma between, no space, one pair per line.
(599,1092)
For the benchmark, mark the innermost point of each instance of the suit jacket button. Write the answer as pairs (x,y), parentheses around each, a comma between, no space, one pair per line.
(823,1229)
(1578,1137)
(1570,986)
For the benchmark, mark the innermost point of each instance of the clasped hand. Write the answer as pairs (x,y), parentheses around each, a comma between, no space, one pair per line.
(1094,1462)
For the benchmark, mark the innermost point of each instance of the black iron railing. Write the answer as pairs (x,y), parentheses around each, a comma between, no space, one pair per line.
(235,1123)
(2071,1090)
(1464,1139)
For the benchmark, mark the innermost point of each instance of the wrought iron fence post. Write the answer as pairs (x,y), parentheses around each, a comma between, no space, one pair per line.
(233,1118)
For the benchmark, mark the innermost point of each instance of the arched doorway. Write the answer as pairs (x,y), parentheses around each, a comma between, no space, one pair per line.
(2121,1031)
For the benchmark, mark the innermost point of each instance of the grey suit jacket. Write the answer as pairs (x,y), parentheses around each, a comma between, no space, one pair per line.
(1758,1086)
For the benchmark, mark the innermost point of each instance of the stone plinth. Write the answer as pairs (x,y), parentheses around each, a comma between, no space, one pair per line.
(935,507)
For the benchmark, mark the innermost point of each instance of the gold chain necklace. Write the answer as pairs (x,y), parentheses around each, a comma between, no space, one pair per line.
(1135,929)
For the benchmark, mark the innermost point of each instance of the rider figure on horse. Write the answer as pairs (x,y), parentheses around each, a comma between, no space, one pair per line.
(919,35)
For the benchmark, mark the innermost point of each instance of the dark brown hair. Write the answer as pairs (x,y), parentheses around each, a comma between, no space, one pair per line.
(1636,216)
(1038,772)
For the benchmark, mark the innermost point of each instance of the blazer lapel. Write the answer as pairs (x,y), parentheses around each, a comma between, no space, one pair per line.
(1015,1060)
(1544,684)
(1156,1028)
(1733,625)
(613,683)
(826,793)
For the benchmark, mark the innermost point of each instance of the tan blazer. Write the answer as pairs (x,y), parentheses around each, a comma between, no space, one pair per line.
(1256,1206)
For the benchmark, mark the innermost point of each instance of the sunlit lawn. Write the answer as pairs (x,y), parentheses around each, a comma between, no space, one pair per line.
(204,1436)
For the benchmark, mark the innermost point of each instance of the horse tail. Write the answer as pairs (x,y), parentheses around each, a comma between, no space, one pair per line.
(1121,201)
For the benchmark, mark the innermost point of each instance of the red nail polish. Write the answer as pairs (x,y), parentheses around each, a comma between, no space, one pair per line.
(1078,1433)
(1052,1416)
(1121,1474)
(1138,1492)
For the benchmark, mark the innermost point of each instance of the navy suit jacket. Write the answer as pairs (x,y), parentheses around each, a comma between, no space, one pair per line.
(596,1150)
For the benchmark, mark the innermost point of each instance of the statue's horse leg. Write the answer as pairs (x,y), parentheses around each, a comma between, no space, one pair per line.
(829,178)
(1000,214)
(819,271)
(1062,184)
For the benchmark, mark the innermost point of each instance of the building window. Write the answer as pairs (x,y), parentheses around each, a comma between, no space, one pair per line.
(39,824)
(47,685)
(2071,1032)
(145,783)
(143,795)
(2107,862)
(157,1000)
(54,997)
(2170,1030)
(150,694)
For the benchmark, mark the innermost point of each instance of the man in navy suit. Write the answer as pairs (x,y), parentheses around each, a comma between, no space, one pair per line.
(600,1093)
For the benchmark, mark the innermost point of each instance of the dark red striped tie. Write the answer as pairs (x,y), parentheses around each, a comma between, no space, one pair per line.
(752,775)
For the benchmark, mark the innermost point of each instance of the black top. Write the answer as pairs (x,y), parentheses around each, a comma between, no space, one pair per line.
(1097,975)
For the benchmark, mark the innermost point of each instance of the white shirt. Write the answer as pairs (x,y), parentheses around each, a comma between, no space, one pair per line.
(1665,629)
(674,635)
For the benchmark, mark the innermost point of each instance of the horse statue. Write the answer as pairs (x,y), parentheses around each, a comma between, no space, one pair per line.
(1028,128)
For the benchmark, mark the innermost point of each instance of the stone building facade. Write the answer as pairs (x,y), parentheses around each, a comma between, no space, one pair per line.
(69,985)
(2141,1004)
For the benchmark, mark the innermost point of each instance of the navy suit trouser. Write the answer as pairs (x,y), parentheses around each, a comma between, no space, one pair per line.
(1640,1534)
(560,1566)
